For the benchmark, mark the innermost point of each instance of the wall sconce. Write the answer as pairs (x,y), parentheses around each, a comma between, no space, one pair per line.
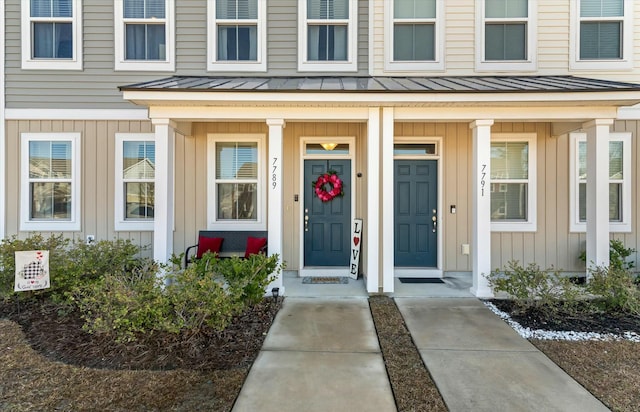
(328,146)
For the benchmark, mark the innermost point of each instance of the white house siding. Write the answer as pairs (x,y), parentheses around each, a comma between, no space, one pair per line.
(553,32)
(98,174)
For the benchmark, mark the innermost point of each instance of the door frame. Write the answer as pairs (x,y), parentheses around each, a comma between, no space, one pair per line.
(435,272)
(304,140)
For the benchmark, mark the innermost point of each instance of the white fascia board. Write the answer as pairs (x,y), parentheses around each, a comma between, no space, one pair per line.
(629,113)
(533,113)
(191,113)
(76,114)
(149,97)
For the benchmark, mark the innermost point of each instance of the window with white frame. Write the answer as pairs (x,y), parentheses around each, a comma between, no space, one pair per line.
(135,181)
(50,181)
(619,182)
(327,32)
(52,34)
(414,34)
(513,182)
(601,34)
(237,35)
(506,35)
(144,35)
(235,182)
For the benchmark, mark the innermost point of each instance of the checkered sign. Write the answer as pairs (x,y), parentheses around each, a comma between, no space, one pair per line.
(32,270)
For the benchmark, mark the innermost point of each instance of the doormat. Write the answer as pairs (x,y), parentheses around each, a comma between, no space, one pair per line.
(421,280)
(325,280)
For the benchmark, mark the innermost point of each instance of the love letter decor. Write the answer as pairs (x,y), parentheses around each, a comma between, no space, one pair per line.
(32,270)
(356,241)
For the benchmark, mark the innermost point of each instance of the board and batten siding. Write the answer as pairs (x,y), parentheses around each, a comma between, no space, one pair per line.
(96,86)
(553,32)
(97,171)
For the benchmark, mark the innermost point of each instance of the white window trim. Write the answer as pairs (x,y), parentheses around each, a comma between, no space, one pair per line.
(214,65)
(575,225)
(532,199)
(530,64)
(144,65)
(351,65)
(626,63)
(29,63)
(121,223)
(212,201)
(409,66)
(26,224)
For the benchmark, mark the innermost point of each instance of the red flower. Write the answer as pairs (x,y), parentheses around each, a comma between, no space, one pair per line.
(331,179)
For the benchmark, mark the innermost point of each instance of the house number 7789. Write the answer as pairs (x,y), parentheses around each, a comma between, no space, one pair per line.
(274,176)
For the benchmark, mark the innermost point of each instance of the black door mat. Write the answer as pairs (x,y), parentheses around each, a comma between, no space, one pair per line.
(421,280)
(325,280)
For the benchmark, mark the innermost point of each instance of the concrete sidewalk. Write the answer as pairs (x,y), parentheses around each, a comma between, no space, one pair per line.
(321,354)
(480,364)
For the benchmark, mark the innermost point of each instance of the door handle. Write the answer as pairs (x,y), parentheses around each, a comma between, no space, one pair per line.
(306,220)
(434,219)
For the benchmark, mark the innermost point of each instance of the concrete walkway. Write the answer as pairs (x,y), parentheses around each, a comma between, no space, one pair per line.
(480,364)
(321,354)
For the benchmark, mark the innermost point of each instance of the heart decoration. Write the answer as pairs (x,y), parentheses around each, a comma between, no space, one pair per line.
(356,240)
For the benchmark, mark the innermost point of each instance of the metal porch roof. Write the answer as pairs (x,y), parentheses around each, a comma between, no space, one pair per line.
(332,84)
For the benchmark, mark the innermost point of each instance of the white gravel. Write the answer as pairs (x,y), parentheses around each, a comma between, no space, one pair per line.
(529,333)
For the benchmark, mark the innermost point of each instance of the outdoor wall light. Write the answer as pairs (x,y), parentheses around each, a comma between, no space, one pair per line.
(328,146)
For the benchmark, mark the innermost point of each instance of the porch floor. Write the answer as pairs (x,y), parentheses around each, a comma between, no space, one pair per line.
(455,286)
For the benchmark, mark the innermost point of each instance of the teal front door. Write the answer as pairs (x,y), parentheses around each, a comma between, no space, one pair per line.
(327,224)
(415,206)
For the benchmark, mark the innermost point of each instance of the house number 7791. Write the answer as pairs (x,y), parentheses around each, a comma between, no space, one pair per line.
(274,176)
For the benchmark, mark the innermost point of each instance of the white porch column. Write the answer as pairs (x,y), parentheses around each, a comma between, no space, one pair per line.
(163,208)
(373,201)
(597,192)
(274,179)
(387,197)
(481,215)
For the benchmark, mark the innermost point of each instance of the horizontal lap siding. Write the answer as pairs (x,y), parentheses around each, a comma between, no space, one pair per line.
(97,181)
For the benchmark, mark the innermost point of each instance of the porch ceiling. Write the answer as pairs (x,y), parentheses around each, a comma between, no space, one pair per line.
(456,95)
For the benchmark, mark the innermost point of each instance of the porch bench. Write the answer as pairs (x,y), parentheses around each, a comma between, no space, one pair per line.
(234,243)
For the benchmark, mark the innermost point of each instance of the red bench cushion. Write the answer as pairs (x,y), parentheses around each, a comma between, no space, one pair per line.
(254,245)
(208,244)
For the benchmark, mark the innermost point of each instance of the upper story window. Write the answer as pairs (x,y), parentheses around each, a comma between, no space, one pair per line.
(513,182)
(237,35)
(601,34)
(52,34)
(236,186)
(327,35)
(135,181)
(50,182)
(144,35)
(414,34)
(506,35)
(620,189)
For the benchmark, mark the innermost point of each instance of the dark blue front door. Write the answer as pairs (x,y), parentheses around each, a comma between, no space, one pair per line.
(416,200)
(327,224)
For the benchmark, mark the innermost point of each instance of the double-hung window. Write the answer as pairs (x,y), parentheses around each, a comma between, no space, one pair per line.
(513,182)
(52,34)
(237,35)
(619,182)
(506,35)
(235,182)
(144,35)
(135,181)
(327,32)
(601,34)
(50,182)
(414,34)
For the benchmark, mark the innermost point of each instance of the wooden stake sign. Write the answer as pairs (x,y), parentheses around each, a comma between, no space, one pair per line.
(32,270)
(356,241)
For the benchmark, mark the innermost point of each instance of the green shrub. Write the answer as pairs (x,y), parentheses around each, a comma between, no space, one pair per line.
(72,265)
(532,287)
(618,255)
(614,289)
(207,293)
